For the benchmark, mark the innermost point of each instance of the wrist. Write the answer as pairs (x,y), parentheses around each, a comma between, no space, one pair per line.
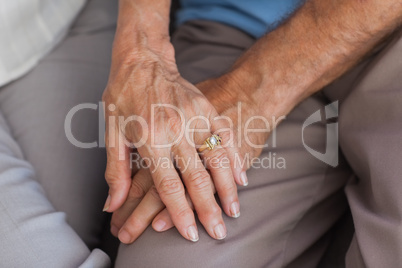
(142,27)
(267,92)
(225,92)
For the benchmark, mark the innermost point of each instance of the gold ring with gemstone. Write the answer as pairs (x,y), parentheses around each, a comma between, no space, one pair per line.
(211,142)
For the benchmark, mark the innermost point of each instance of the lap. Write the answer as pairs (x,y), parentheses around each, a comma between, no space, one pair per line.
(33,233)
(35,108)
(282,204)
(370,136)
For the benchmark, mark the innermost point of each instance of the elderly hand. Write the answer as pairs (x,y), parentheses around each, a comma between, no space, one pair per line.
(151,107)
(144,205)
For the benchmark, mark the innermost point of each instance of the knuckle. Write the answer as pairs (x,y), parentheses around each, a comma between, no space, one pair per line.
(137,190)
(212,213)
(133,224)
(170,186)
(215,210)
(199,179)
(184,213)
(228,137)
(227,189)
(154,192)
(220,155)
(175,124)
(111,178)
(219,160)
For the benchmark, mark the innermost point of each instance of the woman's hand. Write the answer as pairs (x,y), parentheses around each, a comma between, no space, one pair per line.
(144,205)
(151,107)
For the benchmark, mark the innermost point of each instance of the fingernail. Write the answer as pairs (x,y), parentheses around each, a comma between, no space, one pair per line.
(107,203)
(124,237)
(159,225)
(220,232)
(235,210)
(114,230)
(243,178)
(192,234)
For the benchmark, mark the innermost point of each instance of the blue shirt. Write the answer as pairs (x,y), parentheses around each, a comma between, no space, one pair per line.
(255,17)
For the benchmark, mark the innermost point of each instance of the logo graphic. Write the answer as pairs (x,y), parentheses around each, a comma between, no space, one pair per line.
(331,153)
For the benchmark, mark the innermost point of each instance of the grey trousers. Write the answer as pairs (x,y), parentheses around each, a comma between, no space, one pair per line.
(51,193)
(287,213)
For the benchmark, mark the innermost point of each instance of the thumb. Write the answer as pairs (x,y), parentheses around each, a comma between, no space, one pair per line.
(118,174)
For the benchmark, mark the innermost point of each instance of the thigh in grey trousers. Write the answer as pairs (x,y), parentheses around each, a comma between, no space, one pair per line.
(51,192)
(370,124)
(286,213)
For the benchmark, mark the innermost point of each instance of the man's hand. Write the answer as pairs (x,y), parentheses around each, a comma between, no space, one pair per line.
(317,45)
(151,107)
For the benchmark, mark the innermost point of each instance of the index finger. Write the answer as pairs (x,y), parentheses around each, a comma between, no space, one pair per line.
(172,193)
